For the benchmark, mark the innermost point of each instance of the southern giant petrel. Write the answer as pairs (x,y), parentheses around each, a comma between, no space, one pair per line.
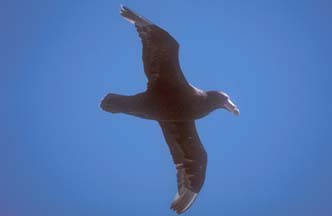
(174,103)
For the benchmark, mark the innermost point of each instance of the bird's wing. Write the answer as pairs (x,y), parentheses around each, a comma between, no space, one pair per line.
(160,52)
(190,159)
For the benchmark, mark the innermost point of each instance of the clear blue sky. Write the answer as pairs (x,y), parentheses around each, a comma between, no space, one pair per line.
(61,155)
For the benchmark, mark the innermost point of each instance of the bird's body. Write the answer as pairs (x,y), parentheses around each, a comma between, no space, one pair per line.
(174,103)
(163,105)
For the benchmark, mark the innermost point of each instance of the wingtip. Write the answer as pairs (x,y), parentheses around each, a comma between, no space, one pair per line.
(182,203)
(122,8)
(133,17)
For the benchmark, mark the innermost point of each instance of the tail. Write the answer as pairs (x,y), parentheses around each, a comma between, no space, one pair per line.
(133,17)
(131,105)
(114,103)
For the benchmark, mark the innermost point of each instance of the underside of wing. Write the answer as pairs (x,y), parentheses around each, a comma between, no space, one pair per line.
(190,159)
(160,51)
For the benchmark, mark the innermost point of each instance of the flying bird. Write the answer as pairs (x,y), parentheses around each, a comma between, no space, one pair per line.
(174,103)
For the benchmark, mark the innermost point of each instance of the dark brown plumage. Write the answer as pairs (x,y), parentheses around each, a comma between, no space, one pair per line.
(174,103)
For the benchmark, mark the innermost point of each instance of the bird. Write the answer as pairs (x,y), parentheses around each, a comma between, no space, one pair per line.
(174,103)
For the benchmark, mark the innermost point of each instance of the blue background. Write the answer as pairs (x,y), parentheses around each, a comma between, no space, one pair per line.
(61,155)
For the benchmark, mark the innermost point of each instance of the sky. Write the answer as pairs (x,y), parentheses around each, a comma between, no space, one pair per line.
(60,154)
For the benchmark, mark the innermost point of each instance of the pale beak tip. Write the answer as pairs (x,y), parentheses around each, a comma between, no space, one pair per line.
(236,112)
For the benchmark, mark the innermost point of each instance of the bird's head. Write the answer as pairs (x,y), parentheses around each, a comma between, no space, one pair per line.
(222,100)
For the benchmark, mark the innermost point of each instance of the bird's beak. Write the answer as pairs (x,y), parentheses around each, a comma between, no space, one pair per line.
(230,106)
